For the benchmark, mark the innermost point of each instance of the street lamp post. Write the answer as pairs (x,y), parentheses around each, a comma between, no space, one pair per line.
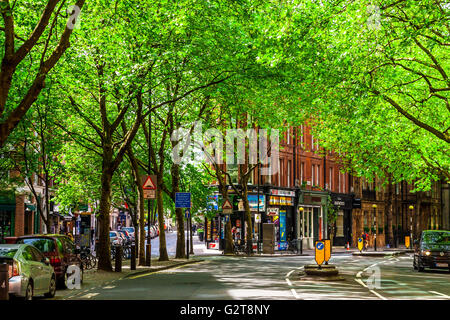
(374,206)
(411,207)
(301,230)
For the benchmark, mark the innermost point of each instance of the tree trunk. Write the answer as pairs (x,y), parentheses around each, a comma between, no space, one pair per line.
(228,238)
(163,256)
(248,219)
(104,249)
(181,246)
(389,213)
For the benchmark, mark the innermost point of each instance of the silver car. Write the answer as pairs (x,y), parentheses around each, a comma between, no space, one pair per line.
(30,273)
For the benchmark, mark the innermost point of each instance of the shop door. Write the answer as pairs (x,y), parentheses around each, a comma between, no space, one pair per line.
(268,238)
(316,224)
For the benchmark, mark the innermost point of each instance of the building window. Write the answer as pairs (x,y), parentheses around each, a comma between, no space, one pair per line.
(289,173)
(302,170)
(279,172)
(318,175)
(288,137)
(302,136)
(313,171)
(330,183)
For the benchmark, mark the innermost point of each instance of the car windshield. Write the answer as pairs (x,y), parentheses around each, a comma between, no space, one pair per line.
(112,234)
(436,238)
(7,252)
(129,229)
(43,244)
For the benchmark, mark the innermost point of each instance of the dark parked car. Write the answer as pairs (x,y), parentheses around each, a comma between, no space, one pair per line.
(433,250)
(59,249)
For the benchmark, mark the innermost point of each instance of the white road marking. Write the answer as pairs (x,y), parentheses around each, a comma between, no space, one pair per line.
(378,295)
(109,287)
(89,295)
(440,294)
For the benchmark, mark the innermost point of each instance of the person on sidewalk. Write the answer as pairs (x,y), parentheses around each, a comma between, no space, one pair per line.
(365,237)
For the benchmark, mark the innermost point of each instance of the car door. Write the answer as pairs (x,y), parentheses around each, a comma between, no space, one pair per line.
(34,267)
(44,273)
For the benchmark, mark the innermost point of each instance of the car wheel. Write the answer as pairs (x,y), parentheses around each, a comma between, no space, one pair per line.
(29,291)
(52,289)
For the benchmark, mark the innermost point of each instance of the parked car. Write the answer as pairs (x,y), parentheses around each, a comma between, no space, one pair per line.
(131,232)
(432,250)
(126,239)
(30,272)
(115,238)
(60,250)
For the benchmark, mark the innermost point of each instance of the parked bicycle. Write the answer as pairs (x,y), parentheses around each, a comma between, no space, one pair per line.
(88,260)
(126,252)
(240,248)
(292,246)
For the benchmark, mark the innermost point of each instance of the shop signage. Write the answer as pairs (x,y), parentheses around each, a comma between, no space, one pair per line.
(281,201)
(254,202)
(282,192)
(357,203)
(273,211)
(339,203)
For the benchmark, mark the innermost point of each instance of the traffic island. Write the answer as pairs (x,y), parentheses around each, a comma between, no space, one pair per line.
(378,253)
(326,272)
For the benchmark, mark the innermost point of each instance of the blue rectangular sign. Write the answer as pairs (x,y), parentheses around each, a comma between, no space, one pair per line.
(182,200)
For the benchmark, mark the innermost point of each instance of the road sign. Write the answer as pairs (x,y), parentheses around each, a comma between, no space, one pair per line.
(150,183)
(320,252)
(227,207)
(187,213)
(407,242)
(257,218)
(360,244)
(327,250)
(182,200)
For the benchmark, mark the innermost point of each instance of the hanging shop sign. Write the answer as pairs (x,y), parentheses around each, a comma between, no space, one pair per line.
(273,211)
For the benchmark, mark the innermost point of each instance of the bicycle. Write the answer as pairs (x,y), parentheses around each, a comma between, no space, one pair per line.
(88,260)
(240,248)
(292,246)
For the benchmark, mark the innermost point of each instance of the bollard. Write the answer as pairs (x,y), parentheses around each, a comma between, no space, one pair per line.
(133,257)
(148,255)
(4,281)
(118,259)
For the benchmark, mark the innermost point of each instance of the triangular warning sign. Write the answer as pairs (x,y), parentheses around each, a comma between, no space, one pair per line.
(227,205)
(149,184)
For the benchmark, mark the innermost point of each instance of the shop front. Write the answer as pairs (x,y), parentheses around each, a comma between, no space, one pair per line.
(7,215)
(280,213)
(341,232)
(312,217)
